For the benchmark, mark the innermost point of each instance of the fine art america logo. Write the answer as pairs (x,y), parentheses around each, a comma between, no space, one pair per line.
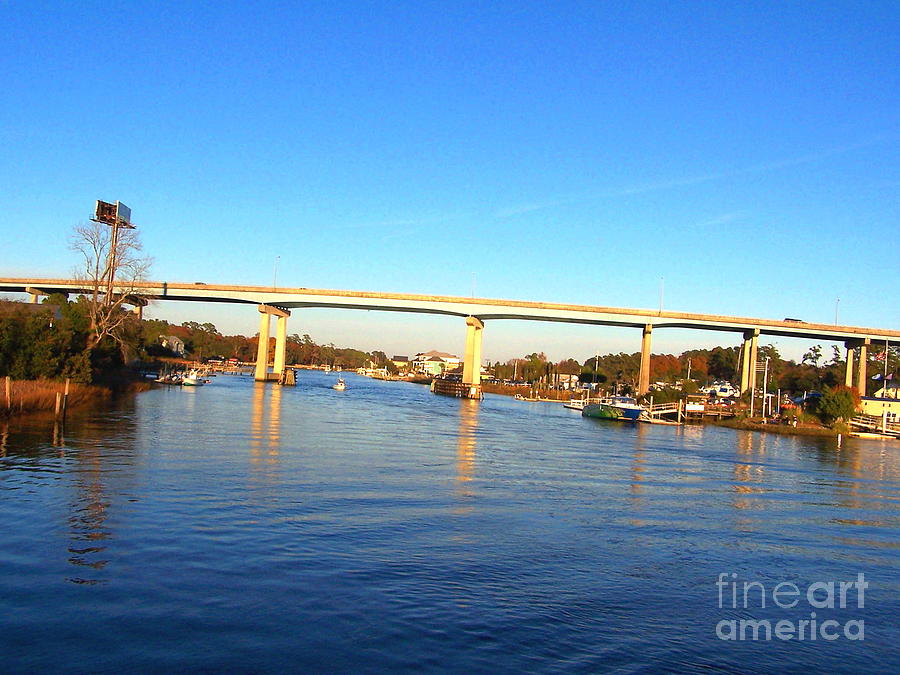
(802,621)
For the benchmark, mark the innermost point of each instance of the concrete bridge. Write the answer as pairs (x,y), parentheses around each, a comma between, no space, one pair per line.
(279,301)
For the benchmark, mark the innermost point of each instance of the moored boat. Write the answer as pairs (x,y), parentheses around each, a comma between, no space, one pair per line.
(193,379)
(576,403)
(617,408)
(340,385)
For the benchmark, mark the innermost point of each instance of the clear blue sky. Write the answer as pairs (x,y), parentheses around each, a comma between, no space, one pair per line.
(745,153)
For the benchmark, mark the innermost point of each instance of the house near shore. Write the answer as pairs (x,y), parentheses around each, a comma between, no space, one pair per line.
(402,363)
(173,343)
(435,363)
(885,402)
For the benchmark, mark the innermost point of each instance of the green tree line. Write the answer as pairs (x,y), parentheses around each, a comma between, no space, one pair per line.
(55,340)
(811,373)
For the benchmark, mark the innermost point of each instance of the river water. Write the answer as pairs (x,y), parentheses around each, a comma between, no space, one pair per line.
(245,527)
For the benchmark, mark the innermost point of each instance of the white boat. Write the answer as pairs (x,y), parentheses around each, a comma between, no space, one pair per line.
(340,385)
(576,403)
(193,379)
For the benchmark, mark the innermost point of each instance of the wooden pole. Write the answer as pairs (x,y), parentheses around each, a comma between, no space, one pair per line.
(8,400)
(58,404)
(65,402)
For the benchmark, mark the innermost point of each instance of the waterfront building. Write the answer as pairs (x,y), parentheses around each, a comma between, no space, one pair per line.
(886,401)
(435,363)
(173,343)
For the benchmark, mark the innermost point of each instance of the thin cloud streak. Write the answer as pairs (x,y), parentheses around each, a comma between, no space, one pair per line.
(724,219)
(688,181)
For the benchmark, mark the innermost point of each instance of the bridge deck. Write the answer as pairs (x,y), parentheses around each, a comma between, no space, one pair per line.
(483,308)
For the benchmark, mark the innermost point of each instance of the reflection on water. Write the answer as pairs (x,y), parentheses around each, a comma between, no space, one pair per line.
(88,514)
(466,445)
(265,431)
(749,474)
(466,442)
(637,467)
(99,471)
(244,525)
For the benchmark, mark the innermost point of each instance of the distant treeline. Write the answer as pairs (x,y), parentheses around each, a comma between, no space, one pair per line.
(203,340)
(50,341)
(812,373)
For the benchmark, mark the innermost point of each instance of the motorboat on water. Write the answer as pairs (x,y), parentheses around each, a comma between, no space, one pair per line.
(340,385)
(193,378)
(576,403)
(169,378)
(617,408)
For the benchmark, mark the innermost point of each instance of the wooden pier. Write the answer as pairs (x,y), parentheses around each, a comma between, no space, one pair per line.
(876,425)
(456,389)
(693,408)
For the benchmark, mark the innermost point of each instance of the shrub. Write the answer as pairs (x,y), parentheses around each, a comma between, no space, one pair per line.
(836,404)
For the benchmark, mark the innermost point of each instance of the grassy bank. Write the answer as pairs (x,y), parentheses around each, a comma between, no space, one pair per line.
(35,396)
(506,390)
(804,429)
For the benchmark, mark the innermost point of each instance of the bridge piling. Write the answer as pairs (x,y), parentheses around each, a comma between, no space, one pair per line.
(262,351)
(748,360)
(472,357)
(861,381)
(644,377)
(848,371)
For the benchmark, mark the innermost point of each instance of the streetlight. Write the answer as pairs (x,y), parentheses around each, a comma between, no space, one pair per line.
(837,304)
(275,272)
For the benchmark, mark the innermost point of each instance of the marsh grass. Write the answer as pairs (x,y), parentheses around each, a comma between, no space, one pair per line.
(30,396)
(508,390)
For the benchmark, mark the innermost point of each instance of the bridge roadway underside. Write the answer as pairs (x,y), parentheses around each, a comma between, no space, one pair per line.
(485,309)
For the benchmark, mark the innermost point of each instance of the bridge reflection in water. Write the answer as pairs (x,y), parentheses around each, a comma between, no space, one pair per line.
(466,445)
(265,432)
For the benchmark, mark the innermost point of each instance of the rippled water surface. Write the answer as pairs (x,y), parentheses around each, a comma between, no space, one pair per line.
(245,527)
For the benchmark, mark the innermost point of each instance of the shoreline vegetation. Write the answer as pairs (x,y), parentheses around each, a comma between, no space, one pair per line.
(560,395)
(738,423)
(39,396)
(804,429)
(28,397)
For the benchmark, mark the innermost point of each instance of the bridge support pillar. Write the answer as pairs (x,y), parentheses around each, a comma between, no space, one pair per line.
(34,294)
(644,376)
(470,386)
(754,357)
(137,305)
(262,351)
(861,380)
(472,358)
(280,345)
(745,364)
(848,372)
(748,360)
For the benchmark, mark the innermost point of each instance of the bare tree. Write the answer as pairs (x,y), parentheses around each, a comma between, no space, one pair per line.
(111,278)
